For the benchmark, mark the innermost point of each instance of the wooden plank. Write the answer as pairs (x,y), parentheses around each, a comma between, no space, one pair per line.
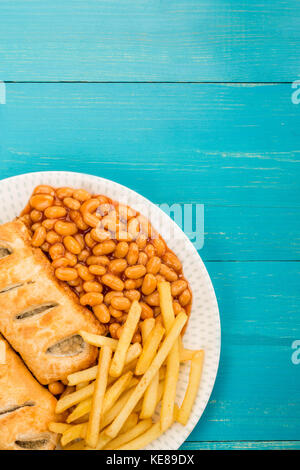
(256,395)
(182,40)
(242,445)
(230,145)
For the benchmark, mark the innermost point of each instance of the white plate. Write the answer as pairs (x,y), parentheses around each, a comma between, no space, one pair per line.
(204,325)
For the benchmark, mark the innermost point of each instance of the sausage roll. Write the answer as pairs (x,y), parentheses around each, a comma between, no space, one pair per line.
(26,408)
(39,316)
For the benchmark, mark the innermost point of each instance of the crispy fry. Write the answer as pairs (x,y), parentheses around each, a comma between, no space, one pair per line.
(129,327)
(192,389)
(98,396)
(131,421)
(145,381)
(82,385)
(144,439)
(146,328)
(80,445)
(150,398)
(73,398)
(125,437)
(104,439)
(110,415)
(172,370)
(58,428)
(75,431)
(98,340)
(150,348)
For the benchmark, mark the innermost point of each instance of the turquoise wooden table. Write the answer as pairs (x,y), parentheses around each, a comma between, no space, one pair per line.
(189,101)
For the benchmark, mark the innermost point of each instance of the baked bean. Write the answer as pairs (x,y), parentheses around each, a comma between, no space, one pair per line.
(129,284)
(75,283)
(81,195)
(101,260)
(168,273)
(120,303)
(135,272)
(153,299)
(97,269)
(55,212)
(125,212)
(149,284)
(110,221)
(122,235)
(44,189)
(91,298)
(159,246)
(35,226)
(147,311)
(113,282)
(62,193)
(45,247)
(137,338)
(80,239)
(133,227)
(77,218)
(141,241)
(184,298)
(121,250)
(56,388)
(100,235)
(143,258)
(65,228)
(39,236)
(57,250)
(71,258)
(90,242)
(156,311)
(89,206)
(138,282)
(104,208)
(172,261)
(53,237)
(153,265)
(92,286)
(66,274)
(72,203)
(40,202)
(60,262)
(104,248)
(145,226)
(133,254)
(108,297)
(83,256)
(114,312)
(178,287)
(159,319)
(119,331)
(102,313)
(149,250)
(85,273)
(49,223)
(90,219)
(72,245)
(36,216)
(132,294)
(117,265)
(177,308)
(160,278)
(113,328)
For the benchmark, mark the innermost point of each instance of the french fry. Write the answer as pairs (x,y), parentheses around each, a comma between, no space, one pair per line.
(145,381)
(146,327)
(149,350)
(150,435)
(58,428)
(131,421)
(150,398)
(125,437)
(76,446)
(192,388)
(104,439)
(144,439)
(129,328)
(172,370)
(76,431)
(98,340)
(75,397)
(2,352)
(117,389)
(98,396)
(187,355)
(110,415)
(82,385)
(89,374)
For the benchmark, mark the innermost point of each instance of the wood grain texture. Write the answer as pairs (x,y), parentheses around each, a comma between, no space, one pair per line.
(182,40)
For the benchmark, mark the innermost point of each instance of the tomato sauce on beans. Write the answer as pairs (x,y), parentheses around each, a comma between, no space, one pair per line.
(107,253)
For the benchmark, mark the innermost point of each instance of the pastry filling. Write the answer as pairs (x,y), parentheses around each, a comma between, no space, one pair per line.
(67,347)
(32,443)
(15,286)
(36,310)
(16,407)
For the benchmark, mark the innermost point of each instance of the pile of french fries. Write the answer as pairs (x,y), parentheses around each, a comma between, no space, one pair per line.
(111,406)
